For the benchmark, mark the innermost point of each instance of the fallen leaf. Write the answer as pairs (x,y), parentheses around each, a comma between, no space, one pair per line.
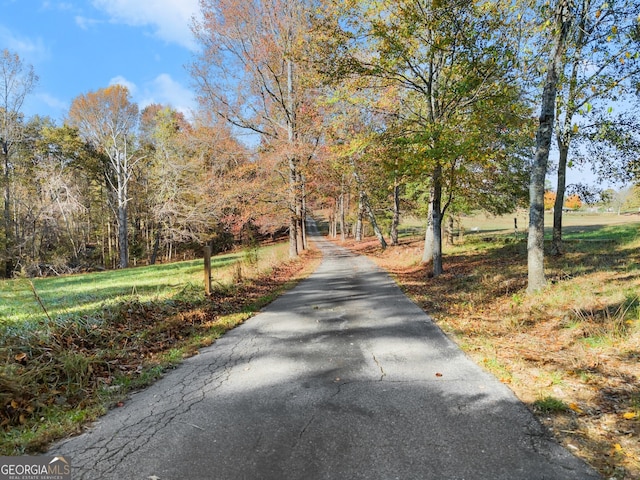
(21,357)
(629,415)
(617,447)
(575,408)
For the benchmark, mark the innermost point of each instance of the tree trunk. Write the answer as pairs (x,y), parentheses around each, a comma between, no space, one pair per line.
(299,234)
(535,241)
(565,134)
(395,222)
(109,247)
(556,244)
(427,253)
(336,216)
(299,212)
(437,221)
(123,230)
(293,166)
(8,238)
(293,220)
(450,228)
(342,216)
(374,223)
(360,218)
(460,230)
(303,223)
(123,226)
(293,241)
(156,247)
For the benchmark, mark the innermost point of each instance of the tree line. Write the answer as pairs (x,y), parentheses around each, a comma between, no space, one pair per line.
(367,109)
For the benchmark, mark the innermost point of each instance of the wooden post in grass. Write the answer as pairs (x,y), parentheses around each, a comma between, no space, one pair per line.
(207,270)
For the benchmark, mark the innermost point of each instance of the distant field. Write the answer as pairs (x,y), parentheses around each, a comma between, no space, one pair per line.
(572,222)
(569,221)
(80,295)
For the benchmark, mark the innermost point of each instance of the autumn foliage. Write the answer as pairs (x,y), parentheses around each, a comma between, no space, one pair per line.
(573,202)
(549,199)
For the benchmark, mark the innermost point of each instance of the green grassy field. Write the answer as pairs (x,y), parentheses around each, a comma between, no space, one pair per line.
(106,334)
(83,295)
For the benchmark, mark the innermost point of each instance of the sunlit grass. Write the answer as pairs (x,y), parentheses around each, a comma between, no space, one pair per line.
(70,368)
(83,294)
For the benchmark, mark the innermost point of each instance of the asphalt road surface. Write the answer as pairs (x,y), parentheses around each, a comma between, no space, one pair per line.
(341,378)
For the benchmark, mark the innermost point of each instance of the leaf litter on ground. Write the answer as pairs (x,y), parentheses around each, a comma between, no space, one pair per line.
(588,320)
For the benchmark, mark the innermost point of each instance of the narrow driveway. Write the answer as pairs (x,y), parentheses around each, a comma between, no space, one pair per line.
(341,378)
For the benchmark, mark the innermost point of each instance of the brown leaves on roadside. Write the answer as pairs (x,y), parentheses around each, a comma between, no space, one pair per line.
(69,363)
(582,352)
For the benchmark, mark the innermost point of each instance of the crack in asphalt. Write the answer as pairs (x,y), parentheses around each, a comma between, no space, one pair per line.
(382,372)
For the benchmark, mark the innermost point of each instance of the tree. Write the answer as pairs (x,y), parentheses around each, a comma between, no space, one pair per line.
(249,74)
(17,80)
(188,176)
(363,153)
(573,202)
(448,58)
(602,60)
(108,119)
(562,19)
(549,199)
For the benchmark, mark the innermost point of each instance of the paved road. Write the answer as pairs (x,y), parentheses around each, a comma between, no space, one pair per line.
(341,378)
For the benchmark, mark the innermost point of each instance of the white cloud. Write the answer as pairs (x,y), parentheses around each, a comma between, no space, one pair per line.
(171,19)
(163,90)
(52,102)
(33,50)
(120,80)
(85,23)
(166,91)
(48,5)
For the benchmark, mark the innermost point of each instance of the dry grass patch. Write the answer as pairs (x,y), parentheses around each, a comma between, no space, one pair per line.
(570,352)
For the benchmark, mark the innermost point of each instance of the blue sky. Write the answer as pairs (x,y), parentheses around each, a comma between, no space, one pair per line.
(77,46)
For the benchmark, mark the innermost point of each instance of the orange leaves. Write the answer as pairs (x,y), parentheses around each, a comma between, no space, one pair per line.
(21,357)
(573,202)
(576,408)
(549,199)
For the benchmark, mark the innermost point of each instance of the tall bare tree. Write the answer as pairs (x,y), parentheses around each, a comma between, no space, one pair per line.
(249,74)
(108,119)
(17,80)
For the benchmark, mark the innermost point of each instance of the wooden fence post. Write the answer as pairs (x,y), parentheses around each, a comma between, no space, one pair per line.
(207,270)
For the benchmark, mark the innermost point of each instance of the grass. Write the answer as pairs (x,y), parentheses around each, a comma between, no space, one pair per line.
(550,404)
(571,351)
(110,333)
(75,295)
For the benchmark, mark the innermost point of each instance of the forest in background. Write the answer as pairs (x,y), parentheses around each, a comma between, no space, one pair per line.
(368,110)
